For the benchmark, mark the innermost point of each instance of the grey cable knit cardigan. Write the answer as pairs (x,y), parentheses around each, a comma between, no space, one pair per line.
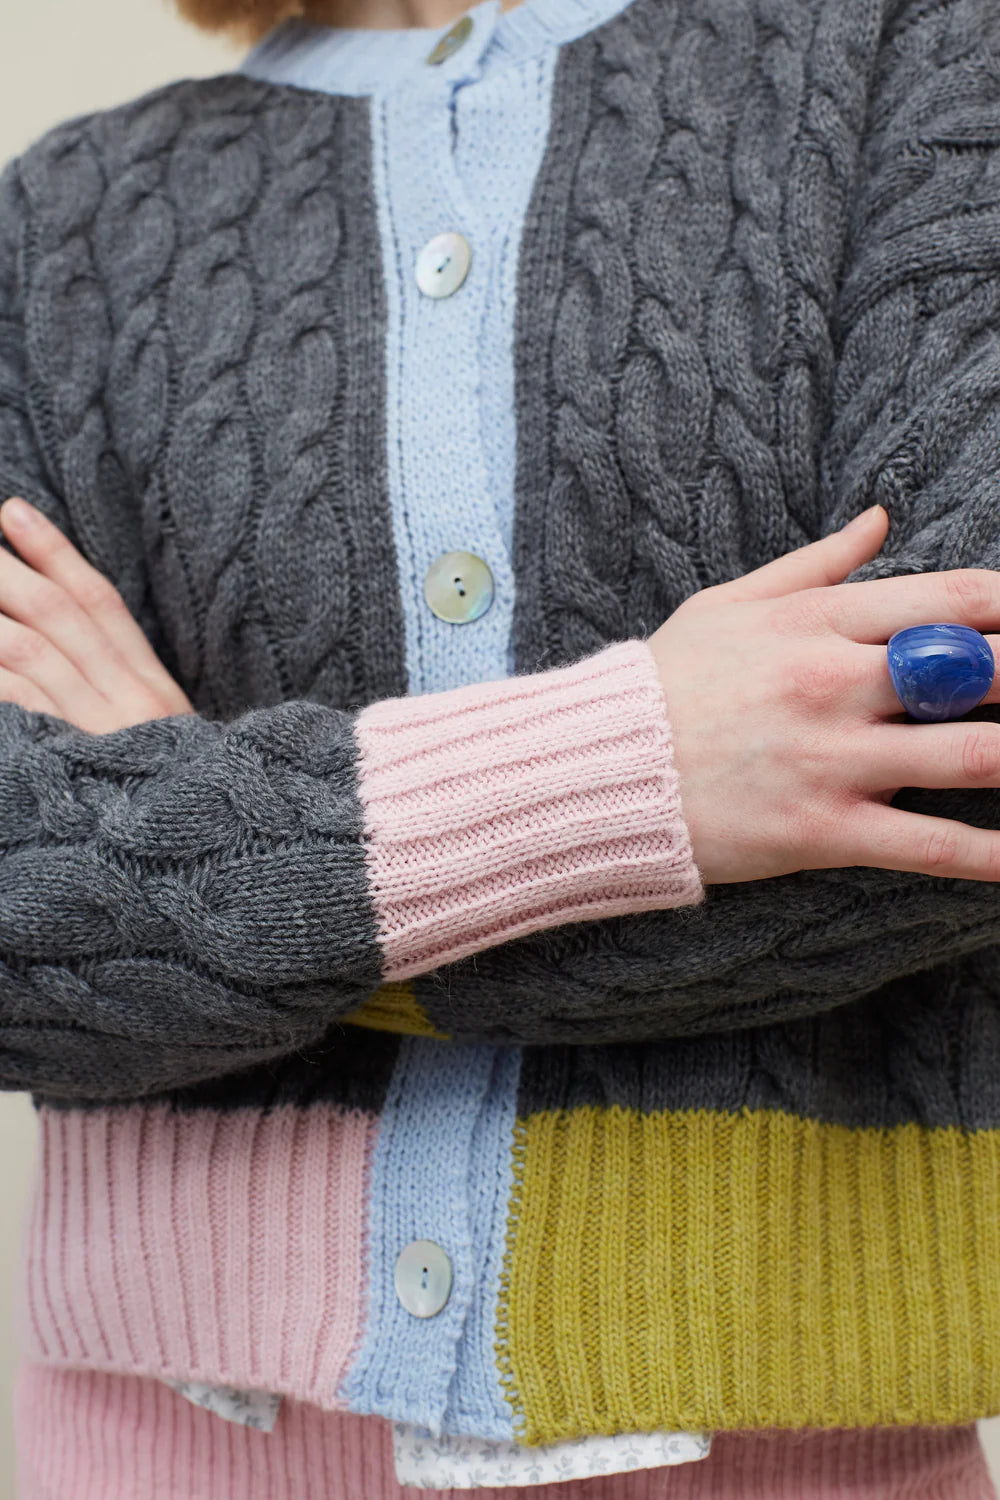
(713,1166)
(759,290)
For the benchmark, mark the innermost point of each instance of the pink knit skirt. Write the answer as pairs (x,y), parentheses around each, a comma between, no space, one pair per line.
(90,1436)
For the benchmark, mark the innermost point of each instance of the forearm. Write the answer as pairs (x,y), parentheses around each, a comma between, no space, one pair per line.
(751,955)
(182,898)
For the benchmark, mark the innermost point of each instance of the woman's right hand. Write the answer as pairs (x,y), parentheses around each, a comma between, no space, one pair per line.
(789,739)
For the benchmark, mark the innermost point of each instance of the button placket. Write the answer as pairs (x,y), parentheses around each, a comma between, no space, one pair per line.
(441,486)
(421,1276)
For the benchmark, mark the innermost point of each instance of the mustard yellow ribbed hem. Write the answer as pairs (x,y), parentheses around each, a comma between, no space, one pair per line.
(709,1271)
(393,1008)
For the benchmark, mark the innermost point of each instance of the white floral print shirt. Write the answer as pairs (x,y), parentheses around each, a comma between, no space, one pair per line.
(442,1463)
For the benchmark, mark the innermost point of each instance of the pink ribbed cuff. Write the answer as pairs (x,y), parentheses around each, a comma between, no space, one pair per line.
(504,807)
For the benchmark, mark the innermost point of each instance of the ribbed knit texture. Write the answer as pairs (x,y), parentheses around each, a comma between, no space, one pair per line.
(628,496)
(456,145)
(649,1251)
(757,290)
(223,1246)
(97,1437)
(495,810)
(441,1371)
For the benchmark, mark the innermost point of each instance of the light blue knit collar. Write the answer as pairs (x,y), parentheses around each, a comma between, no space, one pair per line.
(363,60)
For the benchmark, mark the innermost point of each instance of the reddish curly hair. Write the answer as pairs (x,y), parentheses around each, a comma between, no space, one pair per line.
(246,21)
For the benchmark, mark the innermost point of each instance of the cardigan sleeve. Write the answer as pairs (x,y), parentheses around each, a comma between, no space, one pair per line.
(913,423)
(182,898)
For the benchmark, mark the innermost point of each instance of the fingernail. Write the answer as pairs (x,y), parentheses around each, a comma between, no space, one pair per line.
(860,520)
(19,512)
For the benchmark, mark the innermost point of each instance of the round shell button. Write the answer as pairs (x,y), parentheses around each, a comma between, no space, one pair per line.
(449,44)
(423,1278)
(458,587)
(443,264)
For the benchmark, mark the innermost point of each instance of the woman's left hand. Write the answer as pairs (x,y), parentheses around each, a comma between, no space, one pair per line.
(68,644)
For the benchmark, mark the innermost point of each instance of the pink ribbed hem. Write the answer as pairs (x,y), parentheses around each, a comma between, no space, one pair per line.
(222,1246)
(88,1436)
(501,808)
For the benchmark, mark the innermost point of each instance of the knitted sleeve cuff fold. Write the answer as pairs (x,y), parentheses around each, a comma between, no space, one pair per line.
(501,808)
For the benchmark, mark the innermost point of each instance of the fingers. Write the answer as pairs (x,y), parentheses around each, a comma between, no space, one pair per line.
(839,679)
(15,689)
(94,629)
(889,838)
(930,755)
(40,676)
(874,611)
(876,697)
(816,565)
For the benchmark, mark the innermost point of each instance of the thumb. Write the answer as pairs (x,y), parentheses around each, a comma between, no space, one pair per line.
(816,565)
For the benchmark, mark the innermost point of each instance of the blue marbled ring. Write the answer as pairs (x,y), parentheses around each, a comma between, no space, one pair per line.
(940,671)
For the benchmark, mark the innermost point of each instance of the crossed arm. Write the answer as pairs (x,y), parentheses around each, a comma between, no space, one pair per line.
(153,978)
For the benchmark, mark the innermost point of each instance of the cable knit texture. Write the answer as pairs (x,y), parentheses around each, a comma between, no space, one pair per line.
(183,278)
(758,289)
(495,811)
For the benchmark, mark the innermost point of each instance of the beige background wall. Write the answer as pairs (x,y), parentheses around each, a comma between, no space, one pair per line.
(60,58)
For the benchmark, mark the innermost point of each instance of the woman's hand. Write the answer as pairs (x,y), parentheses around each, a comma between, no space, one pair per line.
(68,644)
(789,739)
